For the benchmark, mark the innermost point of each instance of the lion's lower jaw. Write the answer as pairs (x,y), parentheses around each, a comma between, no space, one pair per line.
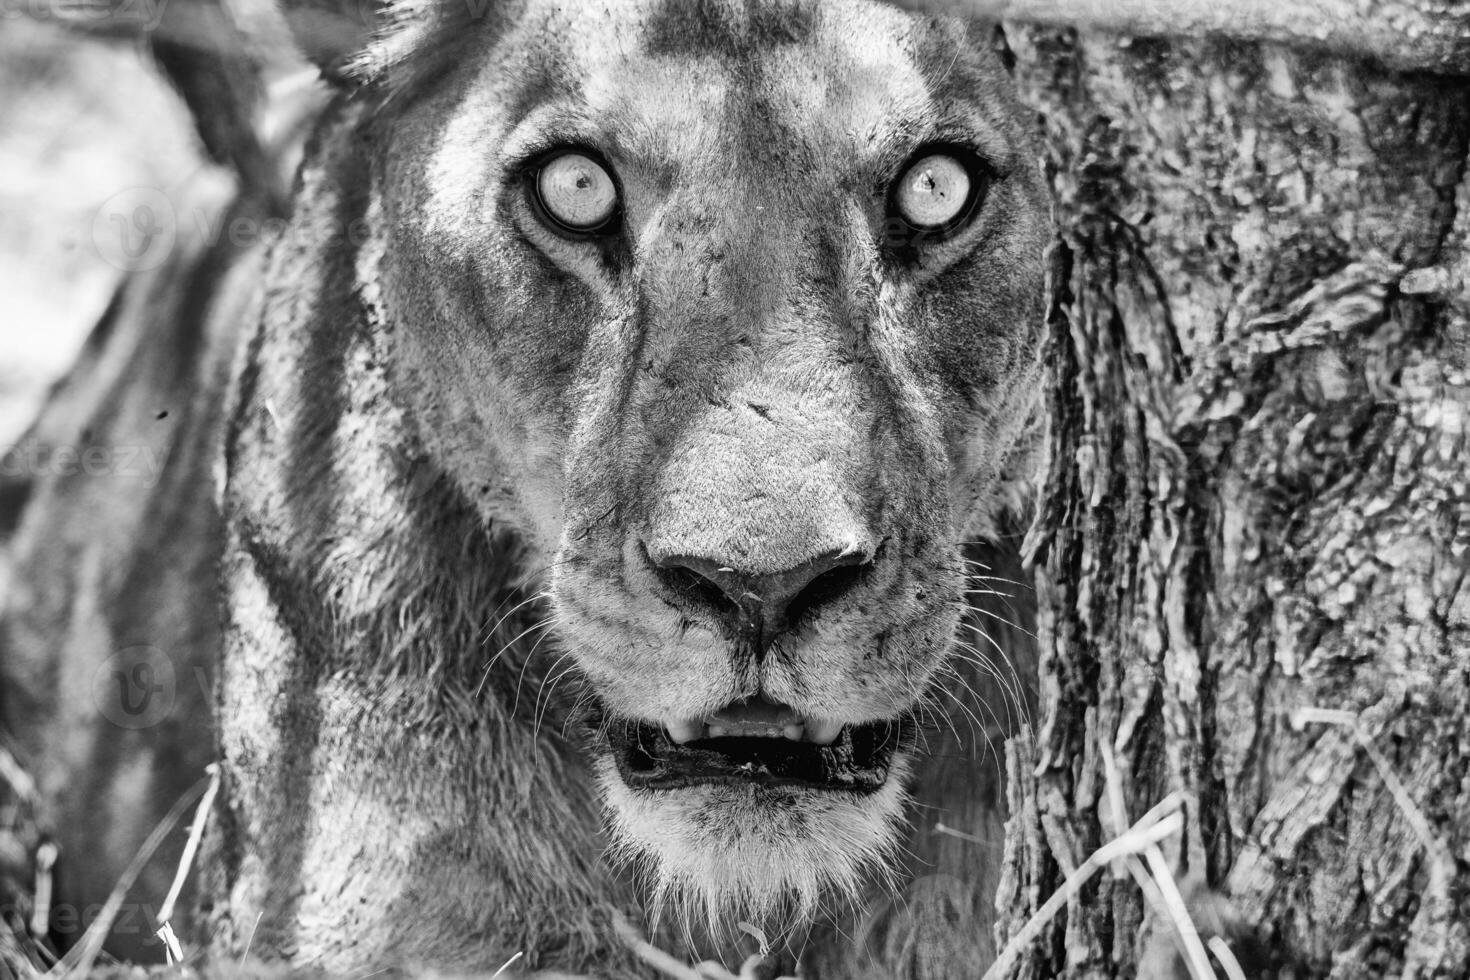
(715,856)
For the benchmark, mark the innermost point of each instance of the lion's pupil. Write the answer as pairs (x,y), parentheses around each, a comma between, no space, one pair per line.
(577,191)
(934,190)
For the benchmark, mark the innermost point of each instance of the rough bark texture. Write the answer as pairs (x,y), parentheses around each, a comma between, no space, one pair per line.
(1415,34)
(1257,503)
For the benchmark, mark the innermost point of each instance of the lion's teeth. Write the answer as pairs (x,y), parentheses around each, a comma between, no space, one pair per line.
(716,731)
(822,732)
(793,732)
(685,731)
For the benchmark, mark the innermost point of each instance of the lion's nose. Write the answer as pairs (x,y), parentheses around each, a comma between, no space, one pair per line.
(759,606)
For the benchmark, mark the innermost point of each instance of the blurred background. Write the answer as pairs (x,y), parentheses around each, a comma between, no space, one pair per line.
(91,134)
(103,169)
(82,120)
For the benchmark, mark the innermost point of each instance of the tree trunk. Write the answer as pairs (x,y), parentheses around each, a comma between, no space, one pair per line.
(1256,508)
(1408,34)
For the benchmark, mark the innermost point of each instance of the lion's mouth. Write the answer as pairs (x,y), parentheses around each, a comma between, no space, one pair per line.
(755,742)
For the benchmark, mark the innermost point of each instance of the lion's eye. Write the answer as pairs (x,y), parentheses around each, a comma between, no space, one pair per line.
(935,192)
(577,192)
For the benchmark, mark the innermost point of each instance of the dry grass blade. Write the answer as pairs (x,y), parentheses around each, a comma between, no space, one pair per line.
(186,862)
(19,780)
(1162,888)
(46,856)
(80,958)
(507,964)
(1417,821)
(671,967)
(23,854)
(651,954)
(1161,822)
(940,828)
(1227,959)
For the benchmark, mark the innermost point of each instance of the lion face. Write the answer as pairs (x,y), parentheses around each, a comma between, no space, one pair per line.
(734,310)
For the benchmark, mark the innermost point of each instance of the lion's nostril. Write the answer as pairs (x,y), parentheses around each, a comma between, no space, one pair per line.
(688,581)
(823,588)
(764,604)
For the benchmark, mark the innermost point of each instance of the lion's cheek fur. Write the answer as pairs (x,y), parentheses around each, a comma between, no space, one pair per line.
(486,334)
(714,854)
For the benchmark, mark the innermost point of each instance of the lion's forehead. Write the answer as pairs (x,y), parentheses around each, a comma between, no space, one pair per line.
(730,30)
(677,79)
(754,81)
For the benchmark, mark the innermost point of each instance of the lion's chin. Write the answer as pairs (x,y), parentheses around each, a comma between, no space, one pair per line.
(717,855)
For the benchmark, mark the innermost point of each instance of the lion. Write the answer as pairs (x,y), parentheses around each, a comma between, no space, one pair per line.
(599,499)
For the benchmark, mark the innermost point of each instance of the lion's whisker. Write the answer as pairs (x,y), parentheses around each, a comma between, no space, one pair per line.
(999,618)
(968,654)
(485,676)
(541,594)
(987,735)
(992,578)
(521,678)
(977,728)
(543,698)
(1009,694)
(1013,682)
(926,706)
(982,585)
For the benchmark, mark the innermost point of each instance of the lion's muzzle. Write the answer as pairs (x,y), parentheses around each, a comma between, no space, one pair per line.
(764,562)
(756,607)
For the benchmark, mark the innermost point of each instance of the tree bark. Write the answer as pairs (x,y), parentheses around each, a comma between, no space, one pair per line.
(1256,506)
(1409,34)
